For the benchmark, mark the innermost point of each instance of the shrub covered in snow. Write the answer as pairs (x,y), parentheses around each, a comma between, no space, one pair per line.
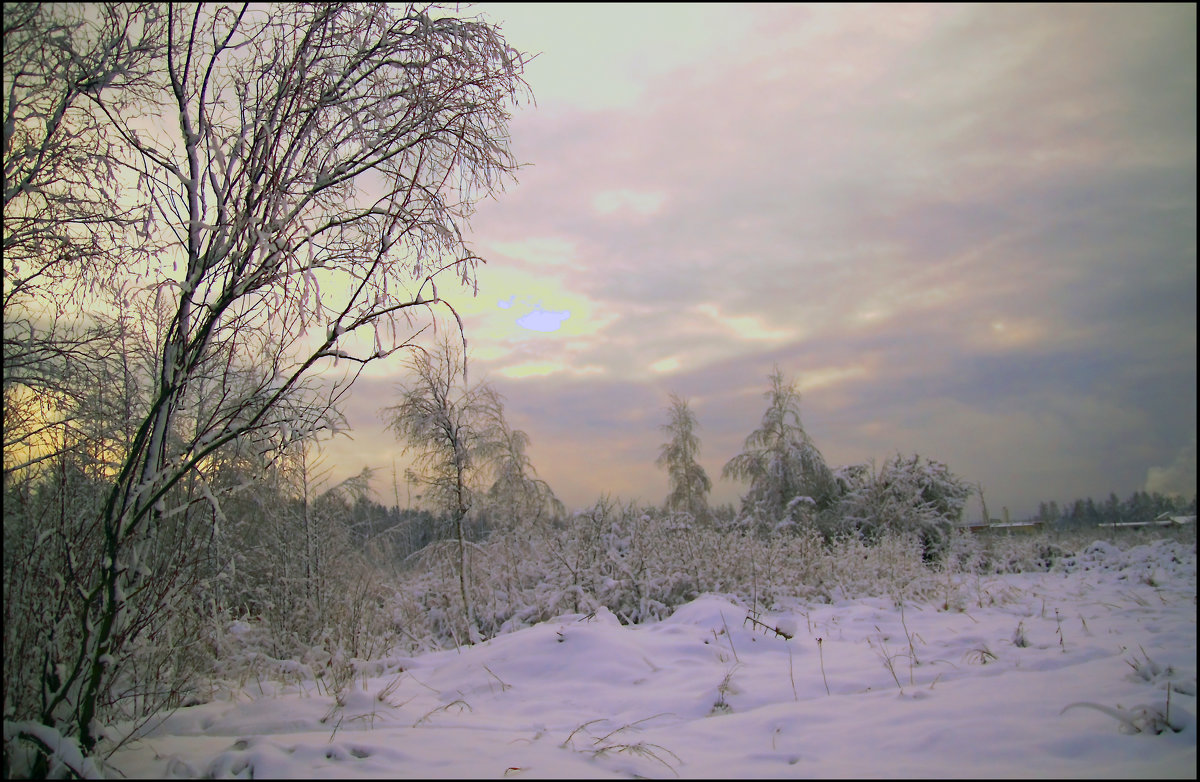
(910,494)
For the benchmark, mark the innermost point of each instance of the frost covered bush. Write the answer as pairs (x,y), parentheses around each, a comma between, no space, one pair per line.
(911,495)
(26,744)
(642,563)
(44,531)
(284,555)
(638,563)
(608,555)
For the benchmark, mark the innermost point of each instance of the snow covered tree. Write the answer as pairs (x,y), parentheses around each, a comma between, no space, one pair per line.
(517,496)
(285,185)
(65,226)
(689,483)
(452,432)
(787,474)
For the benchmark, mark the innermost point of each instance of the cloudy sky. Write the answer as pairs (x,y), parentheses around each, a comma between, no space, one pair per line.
(968,232)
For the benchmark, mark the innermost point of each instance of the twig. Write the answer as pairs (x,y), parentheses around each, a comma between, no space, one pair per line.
(729,637)
(626,727)
(504,686)
(888,659)
(567,742)
(791,674)
(430,713)
(765,626)
(335,729)
(821,653)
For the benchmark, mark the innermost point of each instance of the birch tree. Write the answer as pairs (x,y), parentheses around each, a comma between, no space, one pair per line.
(689,483)
(66,233)
(451,430)
(517,497)
(787,473)
(288,184)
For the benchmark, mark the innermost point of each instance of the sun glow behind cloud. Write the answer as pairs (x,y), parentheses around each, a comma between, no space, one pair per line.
(529,319)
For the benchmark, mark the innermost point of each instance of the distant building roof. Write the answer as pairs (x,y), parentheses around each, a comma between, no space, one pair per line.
(1163,520)
(997,524)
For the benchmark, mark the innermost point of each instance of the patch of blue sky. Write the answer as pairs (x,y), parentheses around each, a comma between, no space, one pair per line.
(543,320)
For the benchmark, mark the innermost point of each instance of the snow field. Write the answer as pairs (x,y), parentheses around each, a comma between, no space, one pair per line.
(707,694)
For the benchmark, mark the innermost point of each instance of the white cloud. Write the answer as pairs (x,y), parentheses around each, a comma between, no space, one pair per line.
(546,367)
(642,203)
(750,327)
(539,251)
(668,364)
(828,376)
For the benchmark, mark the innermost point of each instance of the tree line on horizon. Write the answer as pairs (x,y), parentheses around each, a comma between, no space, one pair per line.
(1139,506)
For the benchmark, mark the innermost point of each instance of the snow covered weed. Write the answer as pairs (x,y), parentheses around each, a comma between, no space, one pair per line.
(1139,719)
(890,567)
(721,705)
(980,655)
(445,707)
(888,658)
(1164,677)
(1147,670)
(604,745)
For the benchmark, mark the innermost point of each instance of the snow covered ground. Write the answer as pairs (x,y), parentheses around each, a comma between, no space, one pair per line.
(1056,674)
